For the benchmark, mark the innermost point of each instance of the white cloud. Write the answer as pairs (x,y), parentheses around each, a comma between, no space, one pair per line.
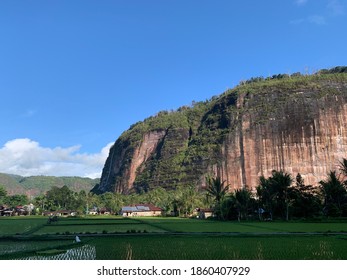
(26,157)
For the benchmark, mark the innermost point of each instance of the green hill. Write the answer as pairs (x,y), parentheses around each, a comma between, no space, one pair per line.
(35,185)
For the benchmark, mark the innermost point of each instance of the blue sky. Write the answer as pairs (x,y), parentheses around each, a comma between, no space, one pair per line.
(75,74)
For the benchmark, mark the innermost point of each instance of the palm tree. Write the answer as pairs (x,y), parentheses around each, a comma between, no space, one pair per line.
(217,189)
(265,196)
(281,182)
(242,198)
(343,169)
(334,193)
(343,166)
(41,202)
(186,199)
(274,192)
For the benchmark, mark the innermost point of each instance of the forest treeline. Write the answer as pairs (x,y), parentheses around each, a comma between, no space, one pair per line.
(279,196)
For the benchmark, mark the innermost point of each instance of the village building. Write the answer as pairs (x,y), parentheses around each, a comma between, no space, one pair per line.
(6,211)
(20,211)
(101,211)
(60,213)
(16,211)
(93,212)
(205,213)
(141,210)
(105,211)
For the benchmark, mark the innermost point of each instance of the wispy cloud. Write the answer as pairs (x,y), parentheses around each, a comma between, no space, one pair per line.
(314,19)
(26,157)
(29,113)
(336,8)
(317,19)
(297,21)
(330,9)
(301,2)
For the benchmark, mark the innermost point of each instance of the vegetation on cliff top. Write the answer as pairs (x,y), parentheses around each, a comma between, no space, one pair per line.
(212,111)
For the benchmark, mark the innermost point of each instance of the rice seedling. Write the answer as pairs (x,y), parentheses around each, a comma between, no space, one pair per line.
(221,247)
(86,252)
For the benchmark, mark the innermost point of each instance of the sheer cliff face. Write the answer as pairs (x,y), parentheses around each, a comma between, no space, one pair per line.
(298,127)
(124,162)
(303,135)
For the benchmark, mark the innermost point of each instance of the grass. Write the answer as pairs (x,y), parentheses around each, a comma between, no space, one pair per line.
(171,238)
(195,225)
(38,225)
(97,226)
(94,221)
(89,228)
(20,225)
(221,248)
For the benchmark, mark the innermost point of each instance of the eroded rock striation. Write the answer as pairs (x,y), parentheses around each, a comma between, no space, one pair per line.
(296,124)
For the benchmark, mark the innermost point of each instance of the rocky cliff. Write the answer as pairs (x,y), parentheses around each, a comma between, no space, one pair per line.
(293,123)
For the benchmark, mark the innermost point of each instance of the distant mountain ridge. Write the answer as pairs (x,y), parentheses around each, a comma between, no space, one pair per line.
(36,185)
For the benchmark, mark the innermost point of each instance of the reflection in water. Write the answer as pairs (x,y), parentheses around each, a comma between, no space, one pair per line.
(86,252)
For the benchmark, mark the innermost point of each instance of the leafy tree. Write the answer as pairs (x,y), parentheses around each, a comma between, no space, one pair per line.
(61,198)
(186,199)
(132,199)
(155,196)
(306,199)
(112,201)
(41,203)
(159,197)
(82,204)
(16,200)
(86,201)
(3,194)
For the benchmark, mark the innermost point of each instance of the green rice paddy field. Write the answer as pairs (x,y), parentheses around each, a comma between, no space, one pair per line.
(170,238)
